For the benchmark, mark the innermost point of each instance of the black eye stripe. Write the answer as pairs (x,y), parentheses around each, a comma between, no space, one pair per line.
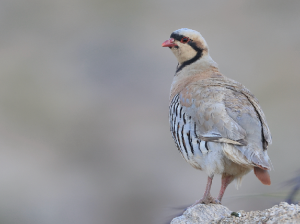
(191,43)
(176,36)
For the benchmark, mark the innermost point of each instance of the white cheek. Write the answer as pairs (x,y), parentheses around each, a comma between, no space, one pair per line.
(184,53)
(187,52)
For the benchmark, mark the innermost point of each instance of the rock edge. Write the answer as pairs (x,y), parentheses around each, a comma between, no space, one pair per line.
(218,214)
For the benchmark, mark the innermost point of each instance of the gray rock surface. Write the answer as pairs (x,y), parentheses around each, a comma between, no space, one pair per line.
(218,214)
(202,214)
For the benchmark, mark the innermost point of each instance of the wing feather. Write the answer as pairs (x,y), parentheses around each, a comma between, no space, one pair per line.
(225,111)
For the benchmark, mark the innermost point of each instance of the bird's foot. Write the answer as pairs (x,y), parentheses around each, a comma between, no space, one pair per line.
(206,200)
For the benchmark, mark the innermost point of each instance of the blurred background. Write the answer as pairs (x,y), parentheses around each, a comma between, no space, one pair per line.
(84,89)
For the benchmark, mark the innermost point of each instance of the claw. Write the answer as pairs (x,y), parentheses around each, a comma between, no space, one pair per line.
(206,200)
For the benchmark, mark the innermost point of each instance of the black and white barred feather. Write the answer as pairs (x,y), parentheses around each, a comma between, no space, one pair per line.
(184,133)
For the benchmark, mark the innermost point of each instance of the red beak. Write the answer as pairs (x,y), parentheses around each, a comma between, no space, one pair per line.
(169,43)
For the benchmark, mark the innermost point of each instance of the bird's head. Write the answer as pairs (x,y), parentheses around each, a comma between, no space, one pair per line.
(187,45)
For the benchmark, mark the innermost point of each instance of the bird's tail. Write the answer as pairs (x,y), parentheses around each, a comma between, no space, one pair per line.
(263,175)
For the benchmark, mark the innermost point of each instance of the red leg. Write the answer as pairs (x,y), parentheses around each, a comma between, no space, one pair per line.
(207,198)
(208,187)
(226,180)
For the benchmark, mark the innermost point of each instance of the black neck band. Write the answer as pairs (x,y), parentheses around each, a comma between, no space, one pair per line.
(188,62)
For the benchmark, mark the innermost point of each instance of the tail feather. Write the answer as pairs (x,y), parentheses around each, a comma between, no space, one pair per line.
(263,175)
(261,160)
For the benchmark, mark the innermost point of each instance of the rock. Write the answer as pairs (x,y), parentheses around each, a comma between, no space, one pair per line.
(202,214)
(219,214)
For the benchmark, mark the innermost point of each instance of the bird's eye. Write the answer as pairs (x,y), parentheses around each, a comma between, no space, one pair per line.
(185,40)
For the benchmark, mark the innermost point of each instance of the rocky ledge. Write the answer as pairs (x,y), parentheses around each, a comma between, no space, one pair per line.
(213,213)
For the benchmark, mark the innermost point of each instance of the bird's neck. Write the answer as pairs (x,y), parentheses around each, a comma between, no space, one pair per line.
(203,64)
(204,68)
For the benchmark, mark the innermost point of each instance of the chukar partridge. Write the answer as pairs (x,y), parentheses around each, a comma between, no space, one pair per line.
(216,123)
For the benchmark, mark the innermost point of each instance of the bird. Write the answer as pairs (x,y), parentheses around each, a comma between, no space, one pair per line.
(217,124)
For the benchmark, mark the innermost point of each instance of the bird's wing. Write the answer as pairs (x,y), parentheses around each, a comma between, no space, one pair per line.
(207,108)
(240,109)
(249,97)
(225,113)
